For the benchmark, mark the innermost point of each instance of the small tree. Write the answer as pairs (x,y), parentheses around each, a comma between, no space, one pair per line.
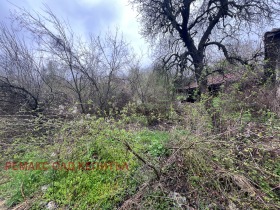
(152,85)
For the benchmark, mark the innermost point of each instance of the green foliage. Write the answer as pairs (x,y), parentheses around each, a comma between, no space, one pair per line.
(155,142)
(196,117)
(88,139)
(232,167)
(148,114)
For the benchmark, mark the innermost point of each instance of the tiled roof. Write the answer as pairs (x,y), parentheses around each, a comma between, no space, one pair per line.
(217,79)
(273,32)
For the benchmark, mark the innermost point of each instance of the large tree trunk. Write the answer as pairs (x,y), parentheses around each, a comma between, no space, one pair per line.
(201,78)
(202,85)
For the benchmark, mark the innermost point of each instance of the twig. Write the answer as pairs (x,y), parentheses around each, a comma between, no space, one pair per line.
(183,147)
(21,190)
(142,159)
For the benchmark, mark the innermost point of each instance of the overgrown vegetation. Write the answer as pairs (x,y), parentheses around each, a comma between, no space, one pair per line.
(85,126)
(236,166)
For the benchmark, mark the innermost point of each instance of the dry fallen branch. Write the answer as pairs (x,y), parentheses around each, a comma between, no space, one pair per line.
(142,159)
(128,204)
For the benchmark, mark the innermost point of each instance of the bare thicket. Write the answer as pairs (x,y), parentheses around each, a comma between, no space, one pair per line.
(20,79)
(92,72)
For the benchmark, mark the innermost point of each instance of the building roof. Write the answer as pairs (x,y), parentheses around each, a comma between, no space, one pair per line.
(272,33)
(216,79)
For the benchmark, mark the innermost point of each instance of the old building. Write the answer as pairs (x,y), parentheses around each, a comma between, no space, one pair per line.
(214,83)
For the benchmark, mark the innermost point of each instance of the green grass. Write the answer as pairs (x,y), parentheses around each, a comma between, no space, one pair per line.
(91,140)
(211,170)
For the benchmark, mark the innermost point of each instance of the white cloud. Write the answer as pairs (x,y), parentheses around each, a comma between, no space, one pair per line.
(131,28)
(90,2)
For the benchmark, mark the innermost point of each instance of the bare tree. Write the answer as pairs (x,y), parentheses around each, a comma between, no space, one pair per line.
(151,85)
(106,60)
(200,24)
(140,84)
(95,66)
(20,72)
(55,38)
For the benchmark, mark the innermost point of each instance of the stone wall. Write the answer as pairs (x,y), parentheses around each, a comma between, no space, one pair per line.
(272,55)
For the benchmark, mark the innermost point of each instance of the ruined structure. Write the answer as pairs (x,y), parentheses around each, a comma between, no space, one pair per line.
(271,70)
(272,55)
(214,83)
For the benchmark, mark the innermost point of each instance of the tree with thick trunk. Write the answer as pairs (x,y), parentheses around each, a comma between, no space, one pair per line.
(200,24)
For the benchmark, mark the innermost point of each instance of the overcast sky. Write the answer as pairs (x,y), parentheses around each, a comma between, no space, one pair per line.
(88,16)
